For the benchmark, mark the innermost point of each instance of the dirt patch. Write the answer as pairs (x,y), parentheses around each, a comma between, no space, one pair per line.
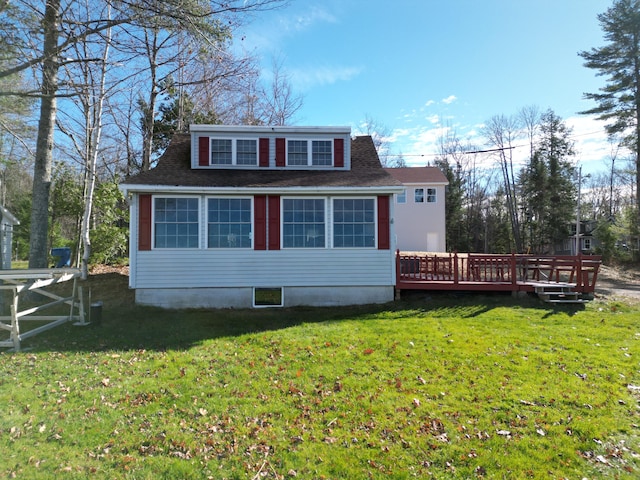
(618,282)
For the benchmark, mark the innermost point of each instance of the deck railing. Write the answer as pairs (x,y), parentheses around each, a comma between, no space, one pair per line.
(472,271)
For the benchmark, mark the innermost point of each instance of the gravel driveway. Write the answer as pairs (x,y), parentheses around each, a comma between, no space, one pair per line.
(612,282)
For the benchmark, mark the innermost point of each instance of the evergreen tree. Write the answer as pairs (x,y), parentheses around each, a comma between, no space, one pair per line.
(618,102)
(547,185)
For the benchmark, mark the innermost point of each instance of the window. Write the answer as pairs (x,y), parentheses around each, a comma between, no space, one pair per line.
(247,152)
(313,152)
(431,195)
(221,152)
(303,223)
(354,222)
(267,297)
(586,244)
(402,197)
(227,151)
(418,195)
(176,222)
(229,222)
(297,152)
(321,152)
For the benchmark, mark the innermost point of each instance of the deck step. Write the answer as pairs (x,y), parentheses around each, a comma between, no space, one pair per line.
(559,294)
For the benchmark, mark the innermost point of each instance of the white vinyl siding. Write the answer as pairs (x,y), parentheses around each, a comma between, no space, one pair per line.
(256,268)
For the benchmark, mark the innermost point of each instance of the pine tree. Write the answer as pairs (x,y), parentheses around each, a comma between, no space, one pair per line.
(619,61)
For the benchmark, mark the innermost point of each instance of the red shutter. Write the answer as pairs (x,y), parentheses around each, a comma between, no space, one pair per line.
(204,160)
(384,232)
(280,152)
(264,152)
(144,222)
(274,222)
(260,222)
(338,152)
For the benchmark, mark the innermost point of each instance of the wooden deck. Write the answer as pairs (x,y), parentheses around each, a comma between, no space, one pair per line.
(494,273)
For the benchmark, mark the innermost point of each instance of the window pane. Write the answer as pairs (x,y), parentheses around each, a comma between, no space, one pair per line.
(431,195)
(221,153)
(176,222)
(419,195)
(229,222)
(321,152)
(246,152)
(297,152)
(354,223)
(303,223)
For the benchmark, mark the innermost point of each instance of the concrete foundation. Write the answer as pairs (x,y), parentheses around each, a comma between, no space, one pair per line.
(242,297)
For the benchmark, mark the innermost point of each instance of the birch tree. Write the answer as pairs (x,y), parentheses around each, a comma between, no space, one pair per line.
(501,133)
(46,50)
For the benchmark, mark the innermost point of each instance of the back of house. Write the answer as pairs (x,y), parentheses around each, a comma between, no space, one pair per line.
(250,216)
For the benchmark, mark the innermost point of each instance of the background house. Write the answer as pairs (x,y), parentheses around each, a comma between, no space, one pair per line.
(7,222)
(242,216)
(420,209)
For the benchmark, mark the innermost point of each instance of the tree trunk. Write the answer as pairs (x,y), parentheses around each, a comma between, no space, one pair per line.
(38,251)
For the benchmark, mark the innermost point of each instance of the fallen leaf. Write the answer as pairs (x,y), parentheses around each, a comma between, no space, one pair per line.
(105,382)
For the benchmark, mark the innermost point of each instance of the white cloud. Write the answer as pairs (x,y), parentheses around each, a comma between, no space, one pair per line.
(429,103)
(450,99)
(305,78)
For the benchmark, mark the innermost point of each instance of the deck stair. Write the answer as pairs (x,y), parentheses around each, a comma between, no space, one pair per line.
(559,293)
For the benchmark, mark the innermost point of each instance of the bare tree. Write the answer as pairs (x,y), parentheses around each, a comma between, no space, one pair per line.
(501,132)
(47,54)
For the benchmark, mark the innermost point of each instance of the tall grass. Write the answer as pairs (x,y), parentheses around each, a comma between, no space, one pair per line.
(448,386)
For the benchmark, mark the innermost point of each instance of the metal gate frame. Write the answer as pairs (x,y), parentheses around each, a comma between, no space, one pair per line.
(36,280)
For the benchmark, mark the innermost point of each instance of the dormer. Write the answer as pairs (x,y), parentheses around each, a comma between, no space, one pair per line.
(274,148)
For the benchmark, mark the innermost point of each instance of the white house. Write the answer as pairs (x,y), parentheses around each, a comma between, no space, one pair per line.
(7,222)
(419,216)
(242,216)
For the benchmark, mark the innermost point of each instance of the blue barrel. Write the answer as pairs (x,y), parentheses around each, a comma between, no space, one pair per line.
(64,256)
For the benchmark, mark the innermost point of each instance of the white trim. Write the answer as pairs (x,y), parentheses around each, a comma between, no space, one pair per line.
(230,129)
(289,191)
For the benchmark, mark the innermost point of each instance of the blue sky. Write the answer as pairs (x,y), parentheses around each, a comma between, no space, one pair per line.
(420,67)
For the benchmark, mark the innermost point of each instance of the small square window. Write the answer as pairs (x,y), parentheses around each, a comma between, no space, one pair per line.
(221,152)
(268,297)
(297,152)
(418,195)
(431,195)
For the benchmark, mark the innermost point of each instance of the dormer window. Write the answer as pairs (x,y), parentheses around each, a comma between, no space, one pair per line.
(317,153)
(227,151)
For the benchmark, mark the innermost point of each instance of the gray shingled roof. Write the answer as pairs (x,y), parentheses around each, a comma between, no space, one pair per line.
(174,169)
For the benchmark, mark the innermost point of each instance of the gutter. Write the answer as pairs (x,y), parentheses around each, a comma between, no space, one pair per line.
(387,189)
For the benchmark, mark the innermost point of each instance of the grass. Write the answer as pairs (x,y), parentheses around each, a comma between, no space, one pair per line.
(448,386)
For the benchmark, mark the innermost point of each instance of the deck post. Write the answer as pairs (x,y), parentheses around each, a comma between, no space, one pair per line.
(455,268)
(578,266)
(514,271)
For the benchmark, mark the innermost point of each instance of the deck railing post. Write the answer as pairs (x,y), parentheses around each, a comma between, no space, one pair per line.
(514,270)
(455,267)
(578,267)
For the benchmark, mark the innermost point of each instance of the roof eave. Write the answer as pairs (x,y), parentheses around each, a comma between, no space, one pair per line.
(319,190)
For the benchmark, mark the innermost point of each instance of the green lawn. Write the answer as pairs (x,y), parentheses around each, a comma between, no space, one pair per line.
(448,386)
